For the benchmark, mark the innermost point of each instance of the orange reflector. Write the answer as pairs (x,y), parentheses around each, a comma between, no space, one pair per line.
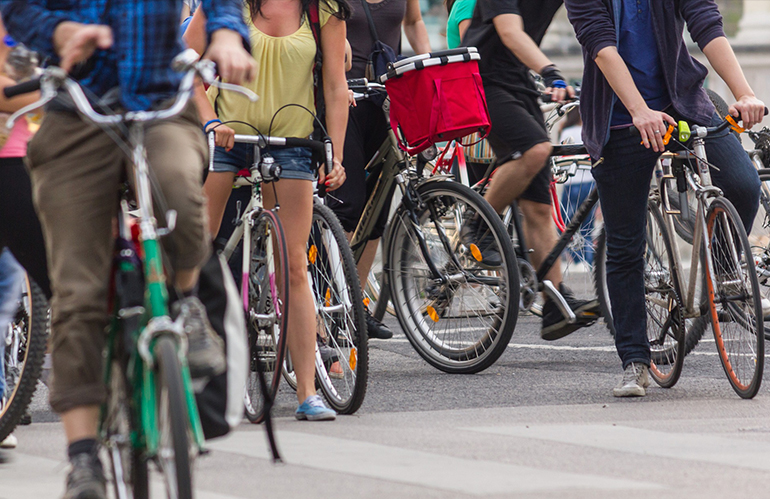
(476,252)
(312,254)
(432,314)
(328,297)
(366,301)
(353,360)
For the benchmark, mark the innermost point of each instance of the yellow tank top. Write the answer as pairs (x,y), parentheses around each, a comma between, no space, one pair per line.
(284,76)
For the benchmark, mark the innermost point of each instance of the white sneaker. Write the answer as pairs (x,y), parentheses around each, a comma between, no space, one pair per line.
(10,442)
(765,308)
(635,381)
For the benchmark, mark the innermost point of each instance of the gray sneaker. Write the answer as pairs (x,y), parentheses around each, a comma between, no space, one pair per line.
(86,478)
(205,349)
(635,381)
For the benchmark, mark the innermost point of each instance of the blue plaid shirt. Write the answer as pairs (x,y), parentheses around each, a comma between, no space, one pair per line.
(146,39)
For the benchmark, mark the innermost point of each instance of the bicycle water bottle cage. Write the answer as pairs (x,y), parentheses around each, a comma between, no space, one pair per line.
(269,169)
(684,131)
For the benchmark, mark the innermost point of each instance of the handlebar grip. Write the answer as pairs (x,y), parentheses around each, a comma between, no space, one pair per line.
(546,98)
(358,83)
(310,144)
(26,87)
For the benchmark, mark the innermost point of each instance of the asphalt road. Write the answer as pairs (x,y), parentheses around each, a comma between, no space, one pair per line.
(539,423)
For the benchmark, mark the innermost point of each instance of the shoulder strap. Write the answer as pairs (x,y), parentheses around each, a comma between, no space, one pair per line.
(372,28)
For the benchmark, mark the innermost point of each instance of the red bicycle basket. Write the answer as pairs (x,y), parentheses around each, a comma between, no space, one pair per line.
(436,97)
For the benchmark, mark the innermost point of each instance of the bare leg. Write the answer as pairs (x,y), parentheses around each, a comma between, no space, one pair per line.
(218,187)
(540,234)
(296,217)
(81,422)
(512,178)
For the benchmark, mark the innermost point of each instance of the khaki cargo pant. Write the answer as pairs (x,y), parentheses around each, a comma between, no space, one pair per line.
(76,170)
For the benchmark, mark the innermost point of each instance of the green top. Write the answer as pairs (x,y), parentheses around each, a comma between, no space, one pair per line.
(461,10)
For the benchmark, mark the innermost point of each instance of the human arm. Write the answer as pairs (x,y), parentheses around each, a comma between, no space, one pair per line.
(414,28)
(185,12)
(510,29)
(335,90)
(463,26)
(14,104)
(226,41)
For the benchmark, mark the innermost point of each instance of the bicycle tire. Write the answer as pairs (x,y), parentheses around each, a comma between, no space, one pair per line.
(376,295)
(173,422)
(725,285)
(266,287)
(336,286)
(31,323)
(416,296)
(663,299)
(759,239)
(695,328)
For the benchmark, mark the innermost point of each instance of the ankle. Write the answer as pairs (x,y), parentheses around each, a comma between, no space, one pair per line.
(83,446)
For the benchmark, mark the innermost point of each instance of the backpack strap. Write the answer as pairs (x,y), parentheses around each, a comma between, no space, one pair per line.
(318,91)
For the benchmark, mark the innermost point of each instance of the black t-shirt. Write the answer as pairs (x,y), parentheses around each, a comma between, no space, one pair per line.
(498,65)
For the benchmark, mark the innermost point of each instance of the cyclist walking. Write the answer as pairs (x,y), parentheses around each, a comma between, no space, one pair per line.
(507,34)
(76,169)
(638,72)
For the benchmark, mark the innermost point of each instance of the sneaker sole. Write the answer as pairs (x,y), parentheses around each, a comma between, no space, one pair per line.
(620,393)
(317,417)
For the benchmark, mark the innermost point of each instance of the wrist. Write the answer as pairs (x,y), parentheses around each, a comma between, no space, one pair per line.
(225,35)
(207,125)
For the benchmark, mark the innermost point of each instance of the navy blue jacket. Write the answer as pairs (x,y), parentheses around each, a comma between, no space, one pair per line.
(594,22)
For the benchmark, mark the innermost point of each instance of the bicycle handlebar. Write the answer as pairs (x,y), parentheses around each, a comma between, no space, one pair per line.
(362,87)
(54,78)
(704,131)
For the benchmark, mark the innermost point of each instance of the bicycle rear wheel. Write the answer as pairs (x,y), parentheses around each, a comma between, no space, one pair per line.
(174,453)
(24,356)
(461,320)
(760,242)
(734,299)
(268,297)
(342,372)
(665,318)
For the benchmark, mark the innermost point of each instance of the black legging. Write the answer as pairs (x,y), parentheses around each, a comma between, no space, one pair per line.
(19,227)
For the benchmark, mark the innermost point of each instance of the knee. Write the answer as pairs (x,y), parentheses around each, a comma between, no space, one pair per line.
(297,270)
(536,157)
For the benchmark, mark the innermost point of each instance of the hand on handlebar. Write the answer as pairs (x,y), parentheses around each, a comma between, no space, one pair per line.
(750,109)
(335,179)
(224,136)
(652,126)
(560,95)
(234,63)
(76,43)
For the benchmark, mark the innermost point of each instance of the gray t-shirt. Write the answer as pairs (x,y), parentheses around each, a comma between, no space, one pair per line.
(388,16)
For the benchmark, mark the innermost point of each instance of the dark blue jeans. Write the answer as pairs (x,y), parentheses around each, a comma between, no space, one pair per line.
(624,184)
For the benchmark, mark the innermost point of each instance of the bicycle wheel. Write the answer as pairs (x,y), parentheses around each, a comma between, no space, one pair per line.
(127,464)
(461,320)
(760,242)
(665,317)
(373,290)
(28,334)
(268,311)
(734,299)
(694,327)
(174,454)
(343,350)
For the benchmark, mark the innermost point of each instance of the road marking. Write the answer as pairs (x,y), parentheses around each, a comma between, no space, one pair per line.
(437,471)
(739,453)
(32,477)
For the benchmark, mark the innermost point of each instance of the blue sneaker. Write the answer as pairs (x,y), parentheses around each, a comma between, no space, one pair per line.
(314,409)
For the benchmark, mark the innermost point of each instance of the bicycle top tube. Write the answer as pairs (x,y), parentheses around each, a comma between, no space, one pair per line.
(54,79)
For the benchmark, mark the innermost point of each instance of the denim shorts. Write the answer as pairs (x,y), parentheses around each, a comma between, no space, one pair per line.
(296,162)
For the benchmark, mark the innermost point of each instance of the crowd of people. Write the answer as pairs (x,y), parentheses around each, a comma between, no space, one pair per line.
(637,71)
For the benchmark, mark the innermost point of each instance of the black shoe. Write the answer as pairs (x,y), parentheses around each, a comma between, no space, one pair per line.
(376,329)
(556,326)
(26,419)
(475,232)
(86,478)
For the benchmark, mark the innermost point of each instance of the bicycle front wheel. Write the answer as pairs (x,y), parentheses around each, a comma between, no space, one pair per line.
(342,366)
(268,301)
(458,313)
(734,299)
(24,355)
(665,318)
(760,242)
(173,422)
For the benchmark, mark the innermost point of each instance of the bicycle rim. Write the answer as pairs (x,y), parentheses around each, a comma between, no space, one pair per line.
(342,358)
(759,239)
(268,312)
(174,453)
(734,300)
(24,356)
(463,324)
(665,321)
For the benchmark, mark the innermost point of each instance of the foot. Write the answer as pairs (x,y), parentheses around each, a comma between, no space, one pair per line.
(314,409)
(205,349)
(480,241)
(330,359)
(556,326)
(635,381)
(10,442)
(86,478)
(26,419)
(376,329)
(765,308)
